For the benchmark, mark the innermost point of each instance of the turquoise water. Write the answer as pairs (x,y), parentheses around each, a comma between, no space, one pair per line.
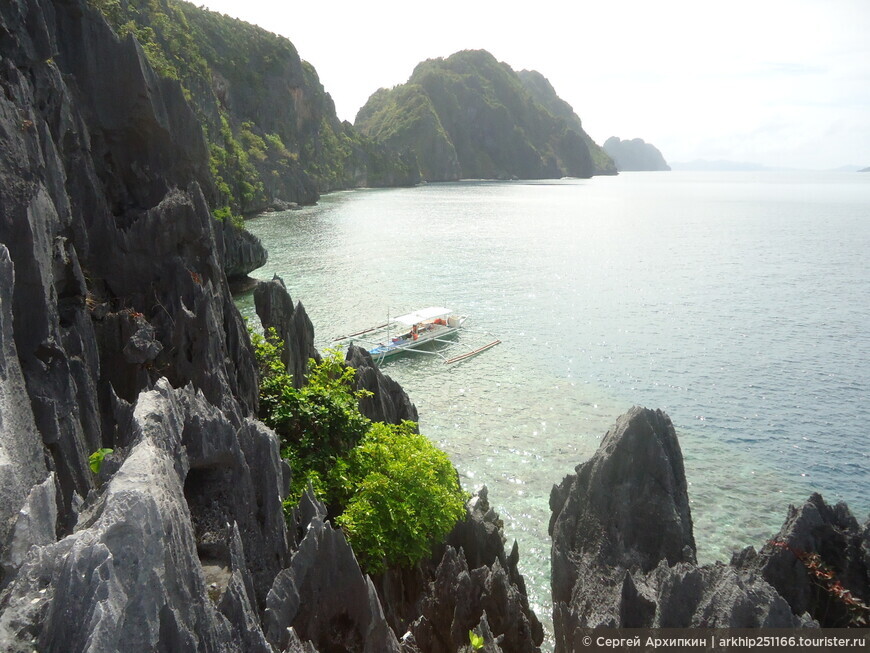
(738,303)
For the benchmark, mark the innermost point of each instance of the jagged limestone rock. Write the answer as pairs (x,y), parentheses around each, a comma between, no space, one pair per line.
(293,326)
(388,402)
(623,552)
(242,251)
(326,598)
(841,544)
(469,583)
(27,510)
(131,576)
(101,169)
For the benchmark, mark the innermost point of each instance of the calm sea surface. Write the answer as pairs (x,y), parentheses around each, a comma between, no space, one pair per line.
(737,303)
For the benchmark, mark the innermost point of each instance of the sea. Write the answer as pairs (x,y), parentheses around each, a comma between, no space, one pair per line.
(738,303)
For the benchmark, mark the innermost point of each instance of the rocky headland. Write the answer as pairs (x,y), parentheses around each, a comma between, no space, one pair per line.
(635,155)
(118,331)
(542,90)
(469,116)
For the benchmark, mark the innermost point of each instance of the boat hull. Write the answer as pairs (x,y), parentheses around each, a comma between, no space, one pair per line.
(397,346)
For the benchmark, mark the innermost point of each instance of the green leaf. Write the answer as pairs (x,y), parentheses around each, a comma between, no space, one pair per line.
(476,640)
(95,460)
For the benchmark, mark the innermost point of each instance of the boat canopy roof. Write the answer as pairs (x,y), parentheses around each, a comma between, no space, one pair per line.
(422,315)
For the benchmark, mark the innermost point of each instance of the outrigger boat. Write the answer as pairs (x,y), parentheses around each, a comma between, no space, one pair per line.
(408,333)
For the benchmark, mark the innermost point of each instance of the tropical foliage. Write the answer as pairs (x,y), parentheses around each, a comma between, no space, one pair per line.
(403,495)
(392,491)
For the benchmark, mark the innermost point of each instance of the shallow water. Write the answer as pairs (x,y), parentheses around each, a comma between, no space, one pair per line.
(738,303)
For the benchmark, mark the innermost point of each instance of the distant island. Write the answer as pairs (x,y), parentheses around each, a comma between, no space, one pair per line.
(470,116)
(864,169)
(634,154)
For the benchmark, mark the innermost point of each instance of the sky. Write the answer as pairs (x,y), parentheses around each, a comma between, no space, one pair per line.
(775,83)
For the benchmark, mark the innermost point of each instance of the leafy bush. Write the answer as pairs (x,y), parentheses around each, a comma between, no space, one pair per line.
(394,493)
(319,423)
(404,497)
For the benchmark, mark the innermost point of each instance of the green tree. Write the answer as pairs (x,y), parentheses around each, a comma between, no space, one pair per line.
(404,496)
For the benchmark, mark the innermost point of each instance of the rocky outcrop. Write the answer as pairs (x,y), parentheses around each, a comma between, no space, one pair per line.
(842,547)
(628,505)
(388,402)
(167,553)
(324,595)
(634,154)
(242,251)
(623,553)
(470,583)
(293,326)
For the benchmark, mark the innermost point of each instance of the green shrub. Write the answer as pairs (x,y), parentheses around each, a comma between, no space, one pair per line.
(394,493)
(404,496)
(318,423)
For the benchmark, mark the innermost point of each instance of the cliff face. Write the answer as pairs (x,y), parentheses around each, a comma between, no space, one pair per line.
(635,155)
(271,128)
(542,90)
(419,131)
(469,116)
(119,331)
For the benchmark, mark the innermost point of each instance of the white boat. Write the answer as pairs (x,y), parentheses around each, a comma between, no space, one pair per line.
(410,332)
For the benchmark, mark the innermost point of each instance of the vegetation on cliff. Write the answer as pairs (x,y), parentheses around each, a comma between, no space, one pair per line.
(389,488)
(272,131)
(470,116)
(541,89)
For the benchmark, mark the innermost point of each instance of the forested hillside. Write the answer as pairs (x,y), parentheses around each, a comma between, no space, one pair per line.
(273,134)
